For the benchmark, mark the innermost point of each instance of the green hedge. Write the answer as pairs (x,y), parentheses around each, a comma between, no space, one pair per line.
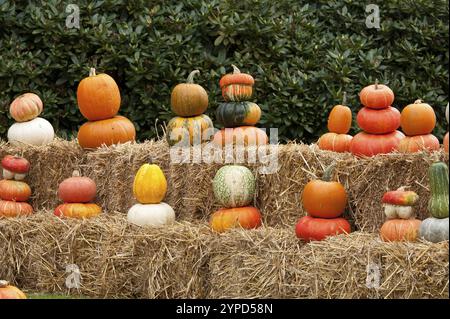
(303,54)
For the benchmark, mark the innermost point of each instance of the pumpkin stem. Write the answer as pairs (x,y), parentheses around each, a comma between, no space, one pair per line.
(418,101)
(76,173)
(235,69)
(327,173)
(92,72)
(3,283)
(344,98)
(190,78)
(376,84)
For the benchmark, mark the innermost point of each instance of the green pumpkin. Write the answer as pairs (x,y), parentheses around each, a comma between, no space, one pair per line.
(234,186)
(438,203)
(234,114)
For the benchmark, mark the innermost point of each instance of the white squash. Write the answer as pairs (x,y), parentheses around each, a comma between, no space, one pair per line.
(37,132)
(154,215)
(397,211)
(434,229)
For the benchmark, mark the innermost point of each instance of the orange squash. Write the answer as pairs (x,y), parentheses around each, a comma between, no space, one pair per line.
(77,189)
(400,230)
(364,144)
(382,121)
(26,107)
(77,210)
(376,96)
(417,143)
(8,291)
(247,217)
(14,209)
(14,190)
(237,86)
(241,136)
(340,119)
(418,119)
(335,142)
(309,228)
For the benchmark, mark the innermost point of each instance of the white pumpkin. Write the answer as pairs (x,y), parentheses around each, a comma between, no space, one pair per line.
(37,132)
(154,215)
(396,211)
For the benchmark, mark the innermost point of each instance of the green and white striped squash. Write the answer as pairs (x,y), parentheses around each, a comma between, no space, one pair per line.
(234,114)
(234,186)
(438,203)
(434,229)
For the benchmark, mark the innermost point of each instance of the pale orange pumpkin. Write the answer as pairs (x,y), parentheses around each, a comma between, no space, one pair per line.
(77,189)
(418,119)
(8,291)
(417,143)
(340,118)
(241,136)
(247,217)
(78,210)
(14,190)
(400,230)
(26,107)
(335,142)
(14,209)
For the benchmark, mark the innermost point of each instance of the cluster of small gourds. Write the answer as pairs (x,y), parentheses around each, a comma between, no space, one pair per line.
(238,114)
(14,192)
(98,99)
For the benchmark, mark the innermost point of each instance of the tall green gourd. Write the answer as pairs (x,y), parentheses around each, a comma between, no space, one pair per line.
(438,204)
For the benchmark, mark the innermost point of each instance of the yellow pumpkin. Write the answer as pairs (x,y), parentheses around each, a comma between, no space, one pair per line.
(150,184)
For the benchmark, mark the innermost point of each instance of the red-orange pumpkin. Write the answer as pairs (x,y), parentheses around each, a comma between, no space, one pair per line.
(309,228)
(14,190)
(418,119)
(115,130)
(247,217)
(376,96)
(8,291)
(446,142)
(26,107)
(16,164)
(400,230)
(412,144)
(241,136)
(77,189)
(364,144)
(98,96)
(14,209)
(378,121)
(335,142)
(340,119)
(78,210)
(237,86)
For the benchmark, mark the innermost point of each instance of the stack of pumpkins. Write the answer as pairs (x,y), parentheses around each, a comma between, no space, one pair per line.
(77,193)
(435,228)
(379,122)
(418,121)
(98,99)
(398,208)
(234,188)
(324,201)
(149,189)
(191,127)
(339,123)
(13,191)
(30,128)
(238,115)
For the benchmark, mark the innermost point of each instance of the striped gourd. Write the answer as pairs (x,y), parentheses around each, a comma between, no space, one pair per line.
(234,186)
(234,114)
(438,203)
(190,130)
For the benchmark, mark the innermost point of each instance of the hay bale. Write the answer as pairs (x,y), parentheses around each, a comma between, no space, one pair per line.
(272,263)
(115,259)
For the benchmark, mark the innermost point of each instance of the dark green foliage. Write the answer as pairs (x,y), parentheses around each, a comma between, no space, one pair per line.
(303,55)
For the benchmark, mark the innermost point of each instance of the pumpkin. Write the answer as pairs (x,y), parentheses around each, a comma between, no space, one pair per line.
(26,107)
(98,96)
(309,228)
(14,209)
(35,132)
(234,114)
(236,86)
(77,189)
(340,119)
(115,130)
(150,185)
(378,121)
(418,119)
(77,210)
(434,229)
(15,167)
(154,215)
(189,99)
(364,144)
(241,136)
(335,142)
(446,113)
(446,142)
(14,190)
(247,217)
(234,186)
(8,291)
(398,203)
(400,230)
(417,143)
(186,131)
(376,96)
(438,203)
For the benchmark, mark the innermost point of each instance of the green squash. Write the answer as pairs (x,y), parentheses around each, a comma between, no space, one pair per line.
(234,186)
(235,114)
(438,203)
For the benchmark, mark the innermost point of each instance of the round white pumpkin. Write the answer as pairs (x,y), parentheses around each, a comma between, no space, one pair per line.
(434,229)
(37,132)
(154,215)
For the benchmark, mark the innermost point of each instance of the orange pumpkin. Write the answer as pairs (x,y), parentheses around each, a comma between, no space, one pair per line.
(340,119)
(241,136)
(335,142)
(236,86)
(26,107)
(78,210)
(77,189)
(376,96)
(324,198)
(115,130)
(309,228)
(14,190)
(189,99)
(418,119)
(378,121)
(8,291)
(412,144)
(364,144)
(446,143)
(247,217)
(400,230)
(14,209)
(98,96)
